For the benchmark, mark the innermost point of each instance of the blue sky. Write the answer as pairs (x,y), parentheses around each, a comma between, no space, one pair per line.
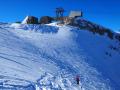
(103,12)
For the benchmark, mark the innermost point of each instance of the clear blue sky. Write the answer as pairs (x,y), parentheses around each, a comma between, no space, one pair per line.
(104,12)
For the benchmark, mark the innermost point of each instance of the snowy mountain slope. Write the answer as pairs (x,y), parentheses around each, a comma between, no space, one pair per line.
(49,58)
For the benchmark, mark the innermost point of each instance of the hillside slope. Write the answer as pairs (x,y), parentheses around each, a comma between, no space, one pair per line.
(48,57)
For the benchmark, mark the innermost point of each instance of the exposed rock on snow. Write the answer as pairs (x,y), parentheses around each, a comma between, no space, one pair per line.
(30,20)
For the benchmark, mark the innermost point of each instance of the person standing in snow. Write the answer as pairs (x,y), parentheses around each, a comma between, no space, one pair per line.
(78,79)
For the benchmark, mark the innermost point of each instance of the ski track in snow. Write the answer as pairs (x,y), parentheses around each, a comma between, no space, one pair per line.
(31,60)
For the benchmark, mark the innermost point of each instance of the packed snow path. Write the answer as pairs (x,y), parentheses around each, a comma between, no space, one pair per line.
(47,58)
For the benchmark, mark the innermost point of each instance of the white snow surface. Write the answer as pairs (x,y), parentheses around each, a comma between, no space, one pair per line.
(48,57)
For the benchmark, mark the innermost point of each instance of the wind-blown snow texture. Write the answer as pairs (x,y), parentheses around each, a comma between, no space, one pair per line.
(48,57)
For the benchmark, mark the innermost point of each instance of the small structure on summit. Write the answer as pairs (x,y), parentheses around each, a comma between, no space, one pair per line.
(30,20)
(67,19)
(74,14)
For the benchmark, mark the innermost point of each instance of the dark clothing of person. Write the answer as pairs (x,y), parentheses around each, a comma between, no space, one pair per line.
(77,80)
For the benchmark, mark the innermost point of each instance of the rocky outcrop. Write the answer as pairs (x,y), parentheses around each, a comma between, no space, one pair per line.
(30,20)
(45,20)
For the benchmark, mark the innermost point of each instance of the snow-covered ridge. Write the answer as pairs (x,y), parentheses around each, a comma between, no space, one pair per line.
(31,60)
(35,27)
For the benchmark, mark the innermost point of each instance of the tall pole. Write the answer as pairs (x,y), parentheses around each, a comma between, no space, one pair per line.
(59,13)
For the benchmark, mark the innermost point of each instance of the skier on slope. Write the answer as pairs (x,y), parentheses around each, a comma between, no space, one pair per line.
(78,79)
